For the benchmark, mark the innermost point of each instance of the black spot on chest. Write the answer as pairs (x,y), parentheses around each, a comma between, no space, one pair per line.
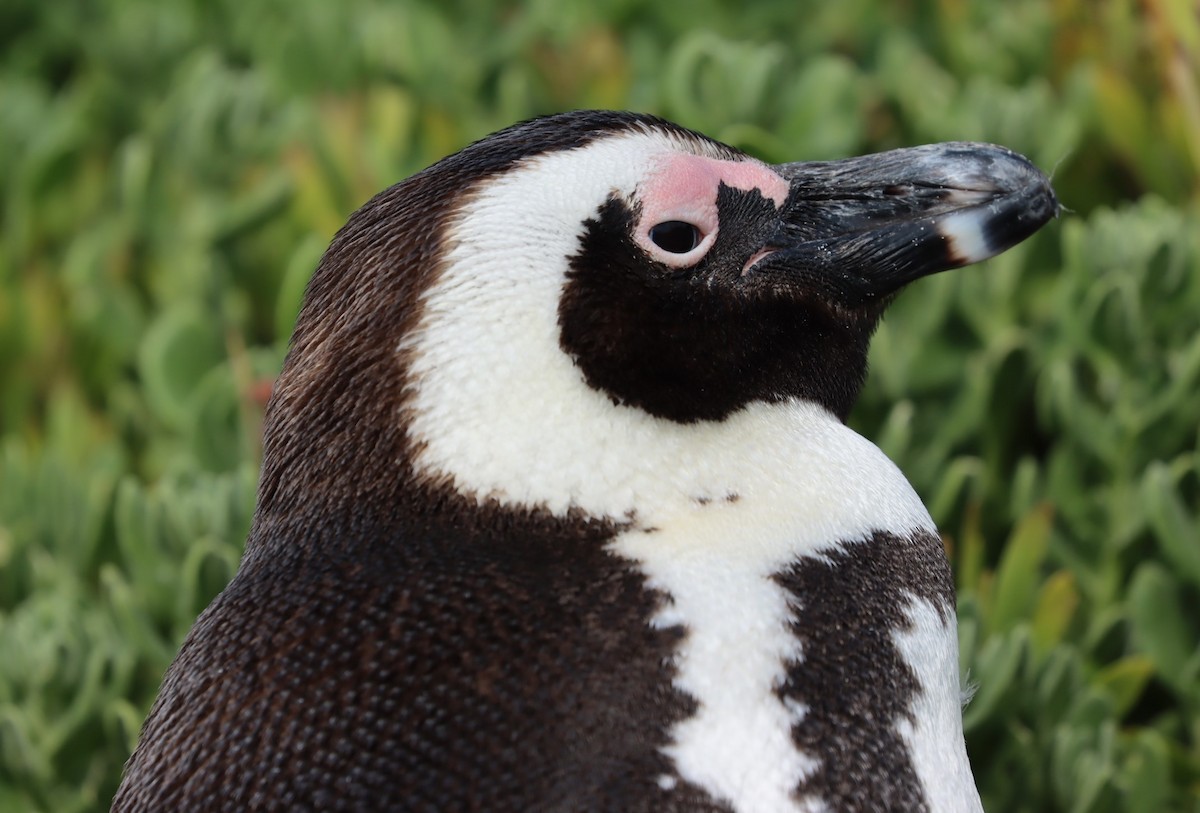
(852,678)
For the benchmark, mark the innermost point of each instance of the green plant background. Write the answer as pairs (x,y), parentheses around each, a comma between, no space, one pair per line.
(172,170)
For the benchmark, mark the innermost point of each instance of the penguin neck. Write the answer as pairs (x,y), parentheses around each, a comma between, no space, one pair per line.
(789,465)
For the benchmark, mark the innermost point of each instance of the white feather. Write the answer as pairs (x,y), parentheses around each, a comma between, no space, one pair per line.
(935,739)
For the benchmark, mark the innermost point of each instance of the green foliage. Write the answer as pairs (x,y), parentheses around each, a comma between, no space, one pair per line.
(173,169)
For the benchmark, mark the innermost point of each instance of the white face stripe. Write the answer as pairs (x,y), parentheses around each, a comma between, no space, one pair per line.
(930,647)
(504,414)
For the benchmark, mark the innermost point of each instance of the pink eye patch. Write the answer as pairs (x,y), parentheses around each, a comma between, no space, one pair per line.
(682,190)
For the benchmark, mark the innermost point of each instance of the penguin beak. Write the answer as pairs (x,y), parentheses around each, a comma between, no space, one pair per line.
(860,229)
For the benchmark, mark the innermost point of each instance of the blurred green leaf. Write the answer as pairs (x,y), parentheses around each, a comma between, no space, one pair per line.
(1017,576)
(1057,602)
(179,349)
(1169,636)
(1177,533)
(995,668)
(1125,680)
(1147,774)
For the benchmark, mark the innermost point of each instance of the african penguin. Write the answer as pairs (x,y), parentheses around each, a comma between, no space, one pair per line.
(558,508)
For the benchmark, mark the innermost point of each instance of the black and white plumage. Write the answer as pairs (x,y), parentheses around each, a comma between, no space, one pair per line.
(558,511)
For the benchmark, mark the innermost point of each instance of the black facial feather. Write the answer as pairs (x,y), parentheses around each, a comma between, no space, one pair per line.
(854,270)
(700,343)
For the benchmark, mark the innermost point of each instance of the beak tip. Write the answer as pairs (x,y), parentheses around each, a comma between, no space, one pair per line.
(1020,201)
(977,233)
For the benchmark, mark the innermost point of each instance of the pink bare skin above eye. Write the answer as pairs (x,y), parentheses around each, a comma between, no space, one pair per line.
(684,187)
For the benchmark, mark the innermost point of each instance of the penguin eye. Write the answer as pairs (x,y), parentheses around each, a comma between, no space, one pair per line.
(675,236)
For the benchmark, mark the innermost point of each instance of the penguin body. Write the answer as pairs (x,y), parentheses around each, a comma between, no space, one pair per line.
(559,511)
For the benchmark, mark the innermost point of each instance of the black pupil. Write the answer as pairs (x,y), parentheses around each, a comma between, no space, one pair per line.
(675,236)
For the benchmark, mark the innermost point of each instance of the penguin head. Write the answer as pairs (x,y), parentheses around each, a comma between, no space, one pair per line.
(709,280)
(597,279)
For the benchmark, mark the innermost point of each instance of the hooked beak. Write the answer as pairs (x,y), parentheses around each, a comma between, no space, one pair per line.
(860,229)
